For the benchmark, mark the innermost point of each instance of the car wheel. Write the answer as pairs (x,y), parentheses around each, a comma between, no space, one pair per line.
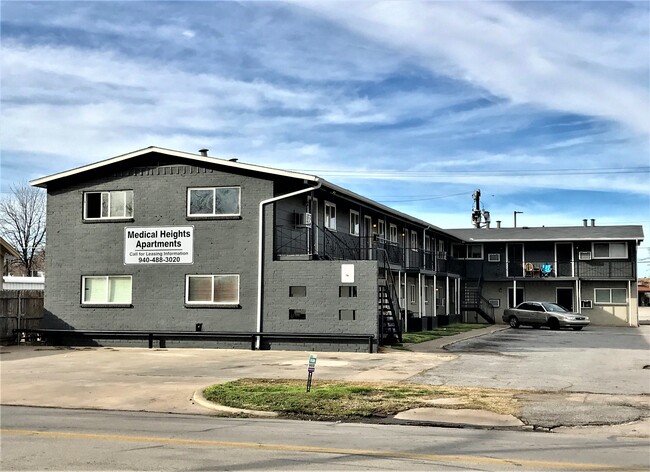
(577,328)
(554,324)
(513,322)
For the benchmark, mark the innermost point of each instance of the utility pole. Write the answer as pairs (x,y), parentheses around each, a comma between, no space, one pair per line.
(515,215)
(476,213)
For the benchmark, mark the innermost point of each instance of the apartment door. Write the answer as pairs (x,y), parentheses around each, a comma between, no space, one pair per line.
(515,265)
(511,297)
(564,297)
(367,234)
(564,259)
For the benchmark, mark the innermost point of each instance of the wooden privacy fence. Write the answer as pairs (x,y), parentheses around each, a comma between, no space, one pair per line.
(19,309)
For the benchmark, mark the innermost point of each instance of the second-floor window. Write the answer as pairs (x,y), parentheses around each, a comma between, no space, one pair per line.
(214,201)
(610,251)
(414,241)
(330,216)
(354,223)
(468,251)
(116,204)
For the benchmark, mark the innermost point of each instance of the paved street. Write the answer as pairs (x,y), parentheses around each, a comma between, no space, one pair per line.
(55,439)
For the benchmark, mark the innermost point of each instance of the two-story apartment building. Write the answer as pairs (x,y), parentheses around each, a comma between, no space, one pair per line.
(589,269)
(168,240)
(174,241)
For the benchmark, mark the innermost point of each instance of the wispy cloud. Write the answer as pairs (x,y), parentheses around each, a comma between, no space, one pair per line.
(413,100)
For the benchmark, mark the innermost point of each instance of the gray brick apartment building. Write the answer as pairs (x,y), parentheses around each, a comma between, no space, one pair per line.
(173,241)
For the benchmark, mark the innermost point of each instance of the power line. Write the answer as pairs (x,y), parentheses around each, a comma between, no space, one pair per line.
(494,172)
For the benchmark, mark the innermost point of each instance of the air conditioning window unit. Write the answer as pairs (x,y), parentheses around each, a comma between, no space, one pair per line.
(303,219)
(586,304)
(495,302)
(584,255)
(494,257)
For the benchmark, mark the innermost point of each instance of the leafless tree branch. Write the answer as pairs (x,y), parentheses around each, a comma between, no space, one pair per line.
(22,222)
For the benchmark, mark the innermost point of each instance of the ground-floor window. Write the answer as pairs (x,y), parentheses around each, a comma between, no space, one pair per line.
(610,296)
(212,290)
(106,289)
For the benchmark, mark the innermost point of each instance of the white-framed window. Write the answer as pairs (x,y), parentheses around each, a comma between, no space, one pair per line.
(214,201)
(106,290)
(212,289)
(610,296)
(117,204)
(412,293)
(427,288)
(392,236)
(427,243)
(330,216)
(354,223)
(468,251)
(414,241)
(609,250)
(381,229)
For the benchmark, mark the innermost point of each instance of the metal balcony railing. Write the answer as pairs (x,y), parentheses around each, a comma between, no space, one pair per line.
(322,243)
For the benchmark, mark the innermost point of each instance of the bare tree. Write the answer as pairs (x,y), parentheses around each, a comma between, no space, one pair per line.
(22,222)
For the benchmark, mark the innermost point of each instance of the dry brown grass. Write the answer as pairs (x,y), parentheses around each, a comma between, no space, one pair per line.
(335,399)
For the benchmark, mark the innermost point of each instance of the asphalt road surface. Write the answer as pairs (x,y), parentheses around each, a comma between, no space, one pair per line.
(596,360)
(60,439)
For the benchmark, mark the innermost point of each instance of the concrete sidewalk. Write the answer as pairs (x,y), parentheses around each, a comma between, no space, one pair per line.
(167,380)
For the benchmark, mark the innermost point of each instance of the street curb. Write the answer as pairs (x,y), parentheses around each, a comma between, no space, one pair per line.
(478,335)
(199,399)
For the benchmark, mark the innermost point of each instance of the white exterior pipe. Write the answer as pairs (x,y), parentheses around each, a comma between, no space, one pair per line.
(260,250)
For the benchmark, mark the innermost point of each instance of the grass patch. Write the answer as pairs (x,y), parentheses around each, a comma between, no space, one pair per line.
(332,400)
(451,330)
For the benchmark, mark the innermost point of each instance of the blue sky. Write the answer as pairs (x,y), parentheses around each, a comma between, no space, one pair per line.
(544,106)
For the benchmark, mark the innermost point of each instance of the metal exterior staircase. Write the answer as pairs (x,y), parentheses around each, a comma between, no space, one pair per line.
(390,330)
(472,300)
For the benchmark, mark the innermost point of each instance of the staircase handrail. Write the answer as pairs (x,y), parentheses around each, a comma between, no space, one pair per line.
(394,297)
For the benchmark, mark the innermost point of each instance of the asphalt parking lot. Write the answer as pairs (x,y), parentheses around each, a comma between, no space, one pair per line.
(604,360)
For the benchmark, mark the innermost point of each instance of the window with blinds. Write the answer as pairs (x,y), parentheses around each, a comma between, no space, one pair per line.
(106,290)
(212,289)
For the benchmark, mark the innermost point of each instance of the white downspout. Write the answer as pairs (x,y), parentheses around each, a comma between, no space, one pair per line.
(260,250)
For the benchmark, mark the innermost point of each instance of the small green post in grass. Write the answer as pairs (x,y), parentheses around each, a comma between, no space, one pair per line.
(310,370)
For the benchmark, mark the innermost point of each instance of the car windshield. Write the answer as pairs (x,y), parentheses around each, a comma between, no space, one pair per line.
(554,308)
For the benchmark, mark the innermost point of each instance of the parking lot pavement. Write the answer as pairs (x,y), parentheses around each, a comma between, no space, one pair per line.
(164,380)
(596,360)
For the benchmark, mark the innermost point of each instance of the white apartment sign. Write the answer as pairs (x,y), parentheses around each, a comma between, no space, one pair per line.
(159,245)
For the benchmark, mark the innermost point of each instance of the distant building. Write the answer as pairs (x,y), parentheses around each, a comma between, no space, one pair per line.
(7,254)
(589,269)
(169,240)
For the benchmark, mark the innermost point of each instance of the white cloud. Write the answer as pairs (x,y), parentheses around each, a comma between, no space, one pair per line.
(560,64)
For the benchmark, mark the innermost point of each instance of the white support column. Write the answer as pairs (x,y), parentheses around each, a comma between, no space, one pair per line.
(577,298)
(420,298)
(514,293)
(434,294)
(447,295)
(629,303)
